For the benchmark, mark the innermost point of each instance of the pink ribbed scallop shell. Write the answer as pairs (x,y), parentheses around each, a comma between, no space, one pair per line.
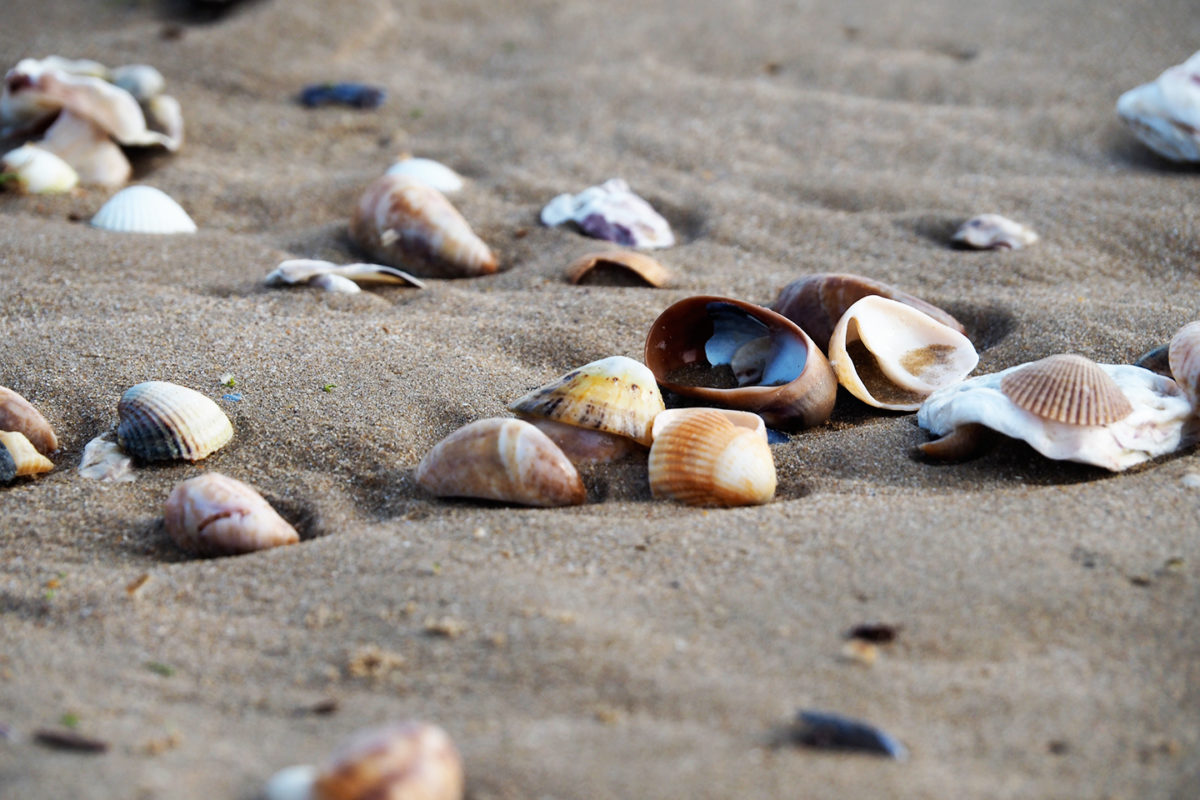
(1070,389)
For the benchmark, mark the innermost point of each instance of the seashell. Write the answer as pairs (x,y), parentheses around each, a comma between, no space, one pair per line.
(104,460)
(164,116)
(335,283)
(162,421)
(1165,113)
(213,514)
(627,262)
(143,209)
(291,783)
(402,222)
(817,302)
(18,414)
(701,458)
(611,211)
(691,345)
(828,731)
(414,760)
(304,270)
(1183,355)
(354,95)
(596,411)
(501,459)
(891,356)
(993,232)
(19,458)
(38,171)
(1160,421)
(429,172)
(1070,389)
(140,80)
(740,419)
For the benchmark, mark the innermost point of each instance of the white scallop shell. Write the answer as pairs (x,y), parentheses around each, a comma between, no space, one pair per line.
(429,172)
(143,209)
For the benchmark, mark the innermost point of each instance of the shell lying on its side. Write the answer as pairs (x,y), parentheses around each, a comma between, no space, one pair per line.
(641,267)
(501,459)
(19,458)
(162,421)
(611,211)
(994,232)
(1184,357)
(701,458)
(143,209)
(429,172)
(18,414)
(403,222)
(213,514)
(311,271)
(1165,113)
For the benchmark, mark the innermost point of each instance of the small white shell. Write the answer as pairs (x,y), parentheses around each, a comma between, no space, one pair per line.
(291,783)
(39,171)
(143,209)
(429,172)
(1165,113)
(104,460)
(213,514)
(337,284)
(611,212)
(306,270)
(994,232)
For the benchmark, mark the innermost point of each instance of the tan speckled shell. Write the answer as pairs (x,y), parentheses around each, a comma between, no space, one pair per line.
(405,761)
(1184,357)
(1070,389)
(636,264)
(213,514)
(18,414)
(404,223)
(161,421)
(701,458)
(507,460)
(19,458)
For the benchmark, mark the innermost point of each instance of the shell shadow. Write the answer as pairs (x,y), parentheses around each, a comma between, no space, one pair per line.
(986,326)
(936,228)
(195,12)
(1126,150)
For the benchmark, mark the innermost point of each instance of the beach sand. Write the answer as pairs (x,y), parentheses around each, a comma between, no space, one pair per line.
(1049,643)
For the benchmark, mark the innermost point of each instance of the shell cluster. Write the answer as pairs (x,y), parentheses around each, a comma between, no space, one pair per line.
(213,514)
(1165,113)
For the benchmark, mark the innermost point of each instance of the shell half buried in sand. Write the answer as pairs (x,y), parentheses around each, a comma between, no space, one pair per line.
(19,458)
(1165,113)
(1159,419)
(994,232)
(702,457)
(611,211)
(143,209)
(297,271)
(36,170)
(215,515)
(161,421)
(892,356)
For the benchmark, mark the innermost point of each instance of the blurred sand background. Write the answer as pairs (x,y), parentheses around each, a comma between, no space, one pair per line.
(1049,642)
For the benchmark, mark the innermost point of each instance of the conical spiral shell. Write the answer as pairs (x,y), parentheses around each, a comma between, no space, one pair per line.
(19,458)
(404,761)
(404,223)
(703,459)
(501,459)
(143,209)
(18,414)
(1070,389)
(213,514)
(161,421)
(1184,357)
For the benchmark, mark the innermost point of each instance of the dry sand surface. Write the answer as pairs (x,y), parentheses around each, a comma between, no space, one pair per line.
(626,648)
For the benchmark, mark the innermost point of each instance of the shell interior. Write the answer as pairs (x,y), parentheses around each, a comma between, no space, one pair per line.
(736,332)
(1070,389)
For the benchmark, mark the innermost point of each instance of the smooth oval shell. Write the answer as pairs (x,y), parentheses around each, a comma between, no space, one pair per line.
(994,232)
(891,356)
(18,414)
(404,223)
(796,388)
(1070,389)
(162,421)
(1183,355)
(429,172)
(629,262)
(38,171)
(615,395)
(501,459)
(817,302)
(404,761)
(213,514)
(143,209)
(19,458)
(701,458)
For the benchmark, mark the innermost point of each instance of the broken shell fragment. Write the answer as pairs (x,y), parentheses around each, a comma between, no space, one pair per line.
(891,356)
(595,412)
(611,211)
(143,209)
(318,273)
(19,415)
(38,171)
(701,458)
(19,458)
(104,460)
(1159,422)
(429,172)
(1184,358)
(627,262)
(994,232)
(213,514)
(406,760)
(507,460)
(1165,113)
(817,302)
(786,379)
(162,421)
(402,222)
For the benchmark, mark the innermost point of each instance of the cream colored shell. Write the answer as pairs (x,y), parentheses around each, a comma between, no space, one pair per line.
(701,458)
(163,421)
(213,514)
(19,458)
(639,265)
(143,209)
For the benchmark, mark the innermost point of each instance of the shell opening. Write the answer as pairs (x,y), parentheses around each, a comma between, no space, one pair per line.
(756,354)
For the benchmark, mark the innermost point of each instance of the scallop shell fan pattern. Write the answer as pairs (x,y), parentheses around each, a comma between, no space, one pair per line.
(143,209)
(1070,389)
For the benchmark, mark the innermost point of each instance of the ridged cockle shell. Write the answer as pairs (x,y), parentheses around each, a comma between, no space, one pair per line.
(701,457)
(994,232)
(892,356)
(143,209)
(596,411)
(1184,358)
(501,459)
(1165,113)
(405,223)
(19,458)
(18,414)
(213,514)
(162,421)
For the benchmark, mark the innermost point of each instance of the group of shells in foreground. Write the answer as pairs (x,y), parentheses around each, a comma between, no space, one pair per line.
(750,370)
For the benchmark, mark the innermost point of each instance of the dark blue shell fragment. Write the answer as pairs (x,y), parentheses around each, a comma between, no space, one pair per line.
(824,730)
(355,95)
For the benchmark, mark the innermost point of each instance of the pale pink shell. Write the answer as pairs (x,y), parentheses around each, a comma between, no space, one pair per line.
(405,761)
(216,515)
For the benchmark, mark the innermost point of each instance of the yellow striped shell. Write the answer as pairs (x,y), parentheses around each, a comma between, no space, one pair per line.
(1070,389)
(213,514)
(702,458)
(19,458)
(161,421)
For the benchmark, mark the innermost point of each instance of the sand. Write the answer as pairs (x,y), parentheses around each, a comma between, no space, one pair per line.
(1048,644)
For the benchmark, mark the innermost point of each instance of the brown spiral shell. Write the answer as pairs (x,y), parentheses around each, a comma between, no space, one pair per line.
(1070,389)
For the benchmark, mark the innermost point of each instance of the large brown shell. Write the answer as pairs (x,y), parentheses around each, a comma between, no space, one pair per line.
(404,223)
(213,514)
(701,458)
(18,414)
(817,302)
(1184,358)
(676,348)
(639,266)
(404,761)
(1070,389)
(507,460)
